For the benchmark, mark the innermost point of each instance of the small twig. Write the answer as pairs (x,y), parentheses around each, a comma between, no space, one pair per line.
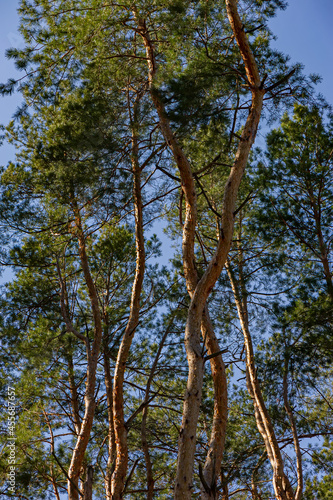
(254,29)
(279,82)
(215,354)
(130,475)
(173,177)
(247,199)
(206,197)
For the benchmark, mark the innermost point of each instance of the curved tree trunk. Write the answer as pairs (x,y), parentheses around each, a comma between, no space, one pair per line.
(92,358)
(200,290)
(119,475)
(212,467)
(281,483)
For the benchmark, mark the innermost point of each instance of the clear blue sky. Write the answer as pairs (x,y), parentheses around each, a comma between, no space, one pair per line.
(303,30)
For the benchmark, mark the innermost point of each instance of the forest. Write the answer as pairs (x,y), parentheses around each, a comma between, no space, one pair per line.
(166,332)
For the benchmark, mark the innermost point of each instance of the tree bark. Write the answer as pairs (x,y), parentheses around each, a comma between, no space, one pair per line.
(281,484)
(87,488)
(118,477)
(214,456)
(92,359)
(200,290)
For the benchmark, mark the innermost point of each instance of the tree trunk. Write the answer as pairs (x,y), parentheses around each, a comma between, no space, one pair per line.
(74,396)
(200,290)
(92,360)
(111,436)
(214,456)
(282,486)
(87,488)
(119,475)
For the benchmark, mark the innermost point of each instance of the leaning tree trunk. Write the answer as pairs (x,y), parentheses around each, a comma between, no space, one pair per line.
(92,359)
(120,431)
(281,483)
(212,466)
(199,290)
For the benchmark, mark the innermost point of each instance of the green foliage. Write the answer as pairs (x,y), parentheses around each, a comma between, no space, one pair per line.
(85,94)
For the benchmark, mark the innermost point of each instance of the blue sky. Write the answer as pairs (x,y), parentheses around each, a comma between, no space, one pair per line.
(304,31)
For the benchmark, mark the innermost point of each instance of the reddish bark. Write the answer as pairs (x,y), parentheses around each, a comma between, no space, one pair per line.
(92,359)
(199,290)
(119,475)
(281,483)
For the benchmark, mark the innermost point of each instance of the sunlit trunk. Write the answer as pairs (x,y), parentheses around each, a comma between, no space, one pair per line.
(119,474)
(281,483)
(199,290)
(92,360)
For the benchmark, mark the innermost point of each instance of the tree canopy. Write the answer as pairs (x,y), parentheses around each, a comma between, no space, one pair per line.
(200,372)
